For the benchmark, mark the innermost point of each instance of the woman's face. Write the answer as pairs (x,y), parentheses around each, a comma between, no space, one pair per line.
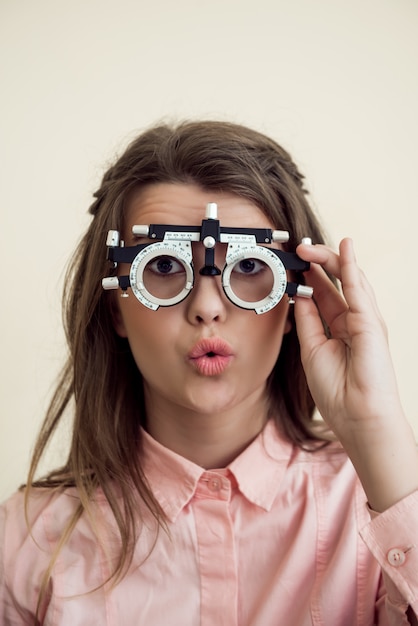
(203,354)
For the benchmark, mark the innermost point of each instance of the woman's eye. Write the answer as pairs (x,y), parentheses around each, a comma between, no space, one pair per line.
(165,265)
(249,267)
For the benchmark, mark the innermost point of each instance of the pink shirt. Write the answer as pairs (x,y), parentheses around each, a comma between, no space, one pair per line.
(280,537)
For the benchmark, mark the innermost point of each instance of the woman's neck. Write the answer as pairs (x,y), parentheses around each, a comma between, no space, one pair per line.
(211,440)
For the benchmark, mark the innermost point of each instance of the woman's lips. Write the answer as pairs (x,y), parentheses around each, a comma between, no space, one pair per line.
(210,357)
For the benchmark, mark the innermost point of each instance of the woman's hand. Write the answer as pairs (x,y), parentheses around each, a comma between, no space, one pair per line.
(351,376)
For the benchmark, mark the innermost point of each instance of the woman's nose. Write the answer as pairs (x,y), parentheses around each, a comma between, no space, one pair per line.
(207,302)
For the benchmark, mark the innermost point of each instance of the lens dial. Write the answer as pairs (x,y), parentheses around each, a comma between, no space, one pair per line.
(254,278)
(162,274)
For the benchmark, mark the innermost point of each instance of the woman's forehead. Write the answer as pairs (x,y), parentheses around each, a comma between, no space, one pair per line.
(178,203)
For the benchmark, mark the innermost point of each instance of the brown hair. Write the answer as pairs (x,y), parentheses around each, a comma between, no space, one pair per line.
(101,375)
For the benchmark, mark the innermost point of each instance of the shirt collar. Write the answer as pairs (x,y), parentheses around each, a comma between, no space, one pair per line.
(257,470)
(261,466)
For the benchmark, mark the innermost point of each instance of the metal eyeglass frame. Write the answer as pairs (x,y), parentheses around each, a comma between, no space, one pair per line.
(175,241)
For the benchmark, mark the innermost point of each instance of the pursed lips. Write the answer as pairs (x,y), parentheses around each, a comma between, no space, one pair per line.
(211,356)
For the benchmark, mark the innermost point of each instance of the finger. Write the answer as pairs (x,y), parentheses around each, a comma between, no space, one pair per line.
(327,295)
(357,290)
(309,327)
(321,255)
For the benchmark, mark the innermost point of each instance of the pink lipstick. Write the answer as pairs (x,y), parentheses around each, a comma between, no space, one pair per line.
(211,356)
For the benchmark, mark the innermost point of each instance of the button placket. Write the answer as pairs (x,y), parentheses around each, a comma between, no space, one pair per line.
(216,548)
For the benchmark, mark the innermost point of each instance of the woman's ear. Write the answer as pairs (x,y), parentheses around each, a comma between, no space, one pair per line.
(289,323)
(290,319)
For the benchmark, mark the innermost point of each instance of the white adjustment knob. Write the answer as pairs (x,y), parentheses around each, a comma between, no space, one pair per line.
(209,242)
(304,291)
(280,235)
(113,238)
(211,211)
(141,230)
(111,282)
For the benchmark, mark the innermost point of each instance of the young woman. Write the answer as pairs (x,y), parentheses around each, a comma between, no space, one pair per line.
(198,489)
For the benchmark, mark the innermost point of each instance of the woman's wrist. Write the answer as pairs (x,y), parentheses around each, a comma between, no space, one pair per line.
(386,461)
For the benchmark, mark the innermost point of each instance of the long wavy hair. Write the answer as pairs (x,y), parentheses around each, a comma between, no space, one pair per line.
(100,382)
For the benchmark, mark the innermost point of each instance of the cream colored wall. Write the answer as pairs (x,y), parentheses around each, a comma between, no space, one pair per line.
(335,82)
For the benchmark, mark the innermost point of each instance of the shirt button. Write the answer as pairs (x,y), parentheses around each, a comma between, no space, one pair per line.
(214,484)
(396,557)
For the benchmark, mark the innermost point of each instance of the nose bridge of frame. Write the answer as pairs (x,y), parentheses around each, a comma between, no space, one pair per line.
(210,235)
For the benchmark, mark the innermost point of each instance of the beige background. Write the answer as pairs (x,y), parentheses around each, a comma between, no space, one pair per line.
(335,81)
